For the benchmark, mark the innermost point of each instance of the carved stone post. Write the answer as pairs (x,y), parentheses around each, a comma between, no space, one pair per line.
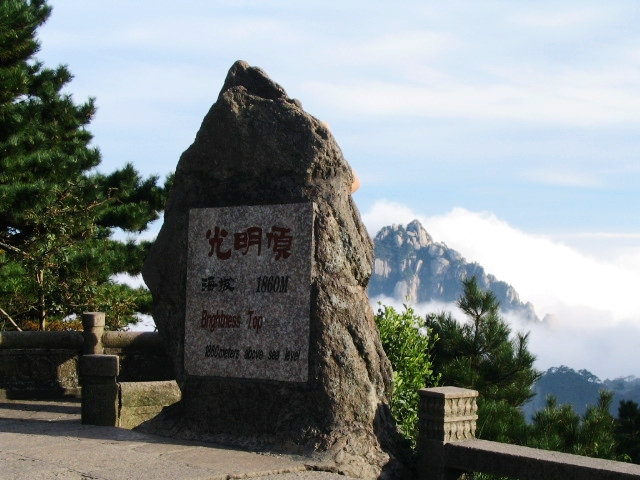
(99,389)
(446,414)
(93,328)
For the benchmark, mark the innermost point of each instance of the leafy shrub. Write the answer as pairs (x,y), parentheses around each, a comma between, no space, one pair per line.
(408,345)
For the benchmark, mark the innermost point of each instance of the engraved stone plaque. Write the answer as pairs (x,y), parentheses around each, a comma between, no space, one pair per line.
(248,292)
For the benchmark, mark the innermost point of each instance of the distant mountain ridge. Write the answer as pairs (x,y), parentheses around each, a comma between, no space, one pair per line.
(580,389)
(409,265)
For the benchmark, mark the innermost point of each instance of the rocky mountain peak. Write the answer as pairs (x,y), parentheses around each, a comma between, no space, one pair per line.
(418,236)
(414,235)
(409,265)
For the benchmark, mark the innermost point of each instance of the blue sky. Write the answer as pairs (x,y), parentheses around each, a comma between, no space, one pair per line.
(509,128)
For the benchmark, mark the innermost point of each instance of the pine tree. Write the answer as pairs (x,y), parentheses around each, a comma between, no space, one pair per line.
(480,354)
(57,213)
(555,427)
(628,430)
(596,437)
(560,428)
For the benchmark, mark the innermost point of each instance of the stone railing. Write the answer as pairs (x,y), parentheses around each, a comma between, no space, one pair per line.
(448,448)
(46,364)
(39,364)
(107,402)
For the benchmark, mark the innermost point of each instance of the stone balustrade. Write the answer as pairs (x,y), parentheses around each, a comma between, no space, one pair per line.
(92,331)
(46,364)
(448,413)
(39,364)
(447,447)
(107,402)
(98,375)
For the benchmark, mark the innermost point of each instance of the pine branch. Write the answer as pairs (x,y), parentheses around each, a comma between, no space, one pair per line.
(2,311)
(15,250)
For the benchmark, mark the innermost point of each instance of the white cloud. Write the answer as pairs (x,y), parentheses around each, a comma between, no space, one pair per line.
(605,350)
(200,34)
(556,278)
(564,178)
(591,301)
(149,70)
(173,87)
(543,270)
(384,213)
(567,98)
(629,257)
(401,48)
(558,19)
(524,88)
(422,309)
(411,71)
(167,32)
(603,235)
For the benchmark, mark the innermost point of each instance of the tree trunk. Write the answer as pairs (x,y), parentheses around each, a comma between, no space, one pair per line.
(43,311)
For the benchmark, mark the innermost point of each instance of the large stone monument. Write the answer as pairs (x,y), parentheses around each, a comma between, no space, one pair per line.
(258,278)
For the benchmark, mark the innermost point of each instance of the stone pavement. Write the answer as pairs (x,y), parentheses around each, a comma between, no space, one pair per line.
(44,440)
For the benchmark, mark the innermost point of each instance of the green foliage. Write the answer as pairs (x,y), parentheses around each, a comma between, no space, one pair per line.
(408,346)
(57,213)
(559,428)
(627,431)
(480,354)
(500,421)
(555,427)
(596,437)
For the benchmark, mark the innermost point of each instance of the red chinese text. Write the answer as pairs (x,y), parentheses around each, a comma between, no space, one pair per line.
(279,241)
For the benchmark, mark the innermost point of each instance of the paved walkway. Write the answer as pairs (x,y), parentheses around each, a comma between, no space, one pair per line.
(42,440)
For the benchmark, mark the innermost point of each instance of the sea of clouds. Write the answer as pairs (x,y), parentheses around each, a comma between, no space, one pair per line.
(583,285)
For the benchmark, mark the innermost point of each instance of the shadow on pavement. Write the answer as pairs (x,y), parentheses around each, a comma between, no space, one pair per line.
(70,407)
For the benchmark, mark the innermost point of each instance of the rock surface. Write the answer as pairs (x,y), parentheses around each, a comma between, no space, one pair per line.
(256,146)
(410,265)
